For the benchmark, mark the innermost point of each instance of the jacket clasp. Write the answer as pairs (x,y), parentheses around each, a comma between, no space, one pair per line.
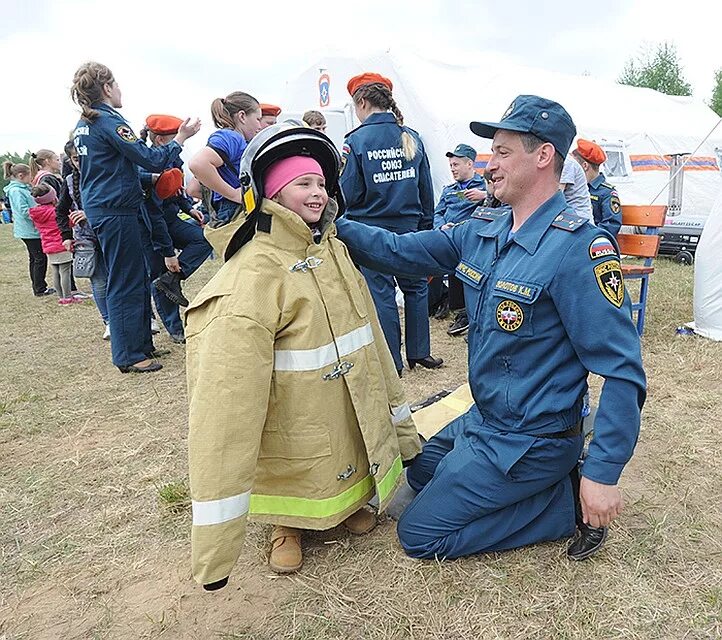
(304,265)
(341,369)
(345,475)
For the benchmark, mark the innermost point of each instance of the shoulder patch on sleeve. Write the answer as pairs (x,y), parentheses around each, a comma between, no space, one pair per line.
(601,247)
(568,222)
(614,203)
(125,133)
(610,281)
(488,214)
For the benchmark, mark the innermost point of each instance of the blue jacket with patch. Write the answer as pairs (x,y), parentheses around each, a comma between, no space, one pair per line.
(545,308)
(606,208)
(453,207)
(381,187)
(109,155)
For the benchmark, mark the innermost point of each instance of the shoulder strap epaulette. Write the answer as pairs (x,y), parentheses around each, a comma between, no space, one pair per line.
(568,221)
(485,213)
(609,186)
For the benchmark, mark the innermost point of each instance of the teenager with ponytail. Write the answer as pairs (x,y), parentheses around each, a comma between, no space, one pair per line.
(110,191)
(386,182)
(216,166)
(45,168)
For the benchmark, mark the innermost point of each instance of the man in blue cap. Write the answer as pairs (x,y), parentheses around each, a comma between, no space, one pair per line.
(546,305)
(456,204)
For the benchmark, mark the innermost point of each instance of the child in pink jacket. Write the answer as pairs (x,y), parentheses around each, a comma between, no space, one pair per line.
(43,216)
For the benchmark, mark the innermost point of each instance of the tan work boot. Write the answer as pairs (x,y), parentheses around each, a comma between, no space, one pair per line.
(360,522)
(286,555)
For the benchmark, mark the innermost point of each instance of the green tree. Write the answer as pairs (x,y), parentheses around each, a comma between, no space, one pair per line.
(14,158)
(716,102)
(659,69)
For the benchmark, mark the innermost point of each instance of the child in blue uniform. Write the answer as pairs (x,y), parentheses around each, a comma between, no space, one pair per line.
(386,181)
(111,193)
(238,118)
(167,232)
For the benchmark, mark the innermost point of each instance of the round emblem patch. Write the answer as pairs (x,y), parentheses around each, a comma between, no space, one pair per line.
(509,315)
(126,133)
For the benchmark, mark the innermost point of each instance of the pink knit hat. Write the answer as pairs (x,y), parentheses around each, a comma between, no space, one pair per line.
(287,170)
(49,198)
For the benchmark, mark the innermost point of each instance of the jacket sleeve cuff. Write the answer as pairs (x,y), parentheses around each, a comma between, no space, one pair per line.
(602,472)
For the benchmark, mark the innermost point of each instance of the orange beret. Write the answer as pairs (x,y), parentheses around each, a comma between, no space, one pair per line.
(590,151)
(355,83)
(168,183)
(163,125)
(270,109)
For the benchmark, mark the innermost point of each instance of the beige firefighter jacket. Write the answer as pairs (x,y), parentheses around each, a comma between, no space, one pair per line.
(297,416)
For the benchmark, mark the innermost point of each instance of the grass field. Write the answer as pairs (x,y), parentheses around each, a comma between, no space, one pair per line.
(95,519)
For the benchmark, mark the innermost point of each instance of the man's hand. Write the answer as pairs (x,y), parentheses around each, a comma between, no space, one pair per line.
(447,225)
(68,244)
(601,503)
(475,195)
(172,264)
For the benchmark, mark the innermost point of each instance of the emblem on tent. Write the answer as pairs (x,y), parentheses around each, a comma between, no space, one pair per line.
(324,90)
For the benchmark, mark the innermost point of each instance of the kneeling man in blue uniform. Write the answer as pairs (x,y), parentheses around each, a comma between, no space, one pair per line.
(547,305)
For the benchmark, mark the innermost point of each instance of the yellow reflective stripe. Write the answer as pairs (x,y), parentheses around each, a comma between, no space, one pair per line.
(325,507)
(455,403)
(308,507)
(388,482)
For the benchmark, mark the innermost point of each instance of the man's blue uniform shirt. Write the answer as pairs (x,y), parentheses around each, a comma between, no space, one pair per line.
(545,308)
(453,207)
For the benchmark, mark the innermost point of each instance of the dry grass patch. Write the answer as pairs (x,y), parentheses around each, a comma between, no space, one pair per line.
(94,518)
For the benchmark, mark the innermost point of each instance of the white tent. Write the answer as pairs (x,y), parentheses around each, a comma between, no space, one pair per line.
(637,127)
(708,278)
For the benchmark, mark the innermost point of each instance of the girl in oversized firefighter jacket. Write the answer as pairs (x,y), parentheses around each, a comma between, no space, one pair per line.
(297,417)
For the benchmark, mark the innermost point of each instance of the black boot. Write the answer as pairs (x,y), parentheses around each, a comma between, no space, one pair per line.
(460,324)
(587,541)
(428,363)
(170,285)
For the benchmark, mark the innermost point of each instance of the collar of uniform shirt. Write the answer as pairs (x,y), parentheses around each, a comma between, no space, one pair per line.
(530,233)
(597,181)
(378,117)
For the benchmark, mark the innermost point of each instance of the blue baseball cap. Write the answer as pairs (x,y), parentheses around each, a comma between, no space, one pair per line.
(545,119)
(462,151)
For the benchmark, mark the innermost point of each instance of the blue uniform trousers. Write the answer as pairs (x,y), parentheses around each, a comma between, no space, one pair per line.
(486,490)
(168,311)
(190,240)
(416,313)
(127,291)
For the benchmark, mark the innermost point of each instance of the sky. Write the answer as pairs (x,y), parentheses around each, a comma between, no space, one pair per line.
(175,57)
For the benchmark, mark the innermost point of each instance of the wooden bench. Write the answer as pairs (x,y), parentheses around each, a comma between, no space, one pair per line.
(641,245)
